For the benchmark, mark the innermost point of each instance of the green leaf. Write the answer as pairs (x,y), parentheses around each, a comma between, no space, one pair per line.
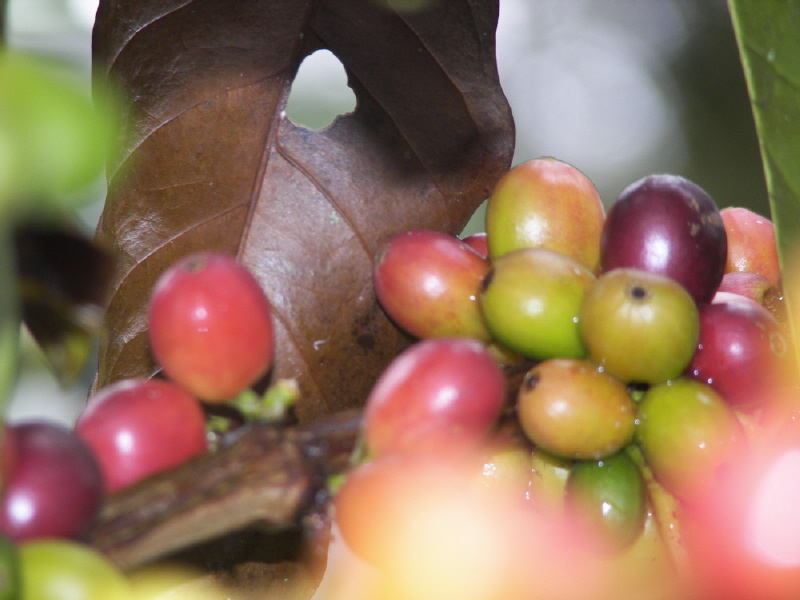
(769,45)
(53,139)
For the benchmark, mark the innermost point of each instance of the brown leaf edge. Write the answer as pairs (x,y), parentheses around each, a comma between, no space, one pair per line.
(211,162)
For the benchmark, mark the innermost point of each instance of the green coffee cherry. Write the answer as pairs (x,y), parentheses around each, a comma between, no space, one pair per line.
(608,496)
(531,300)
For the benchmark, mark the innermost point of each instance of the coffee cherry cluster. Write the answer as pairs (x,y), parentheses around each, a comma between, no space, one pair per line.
(654,359)
(210,330)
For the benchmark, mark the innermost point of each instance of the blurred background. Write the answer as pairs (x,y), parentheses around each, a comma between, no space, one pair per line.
(618,88)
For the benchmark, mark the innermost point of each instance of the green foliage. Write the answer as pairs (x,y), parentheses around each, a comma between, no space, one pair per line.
(766,32)
(53,139)
(3,11)
(53,144)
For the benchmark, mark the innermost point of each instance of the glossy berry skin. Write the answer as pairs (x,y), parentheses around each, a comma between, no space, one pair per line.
(438,394)
(741,348)
(608,497)
(723,297)
(688,434)
(639,326)
(433,533)
(428,283)
(210,326)
(380,499)
(478,242)
(752,247)
(743,537)
(572,409)
(667,225)
(61,570)
(138,427)
(548,478)
(56,485)
(531,300)
(750,285)
(546,203)
(506,466)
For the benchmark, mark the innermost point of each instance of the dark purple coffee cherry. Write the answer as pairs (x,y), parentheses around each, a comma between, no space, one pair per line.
(667,225)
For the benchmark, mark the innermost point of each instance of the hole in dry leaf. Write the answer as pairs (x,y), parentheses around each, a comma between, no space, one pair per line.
(319,93)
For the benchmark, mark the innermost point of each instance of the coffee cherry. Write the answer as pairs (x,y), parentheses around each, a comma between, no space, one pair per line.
(429,532)
(688,434)
(531,300)
(210,326)
(752,247)
(56,484)
(548,478)
(722,297)
(741,348)
(61,570)
(608,498)
(479,243)
(639,326)
(437,395)
(667,225)
(546,203)
(750,285)
(506,468)
(571,408)
(388,495)
(138,427)
(428,283)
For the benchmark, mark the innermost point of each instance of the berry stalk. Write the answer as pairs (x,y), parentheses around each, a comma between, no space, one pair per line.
(266,475)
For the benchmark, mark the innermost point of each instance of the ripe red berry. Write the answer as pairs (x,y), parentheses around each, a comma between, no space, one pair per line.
(428,283)
(439,394)
(478,242)
(752,247)
(138,427)
(210,326)
(741,349)
(400,503)
(55,487)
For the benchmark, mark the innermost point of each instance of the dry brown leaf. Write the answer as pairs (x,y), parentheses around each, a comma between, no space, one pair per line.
(211,162)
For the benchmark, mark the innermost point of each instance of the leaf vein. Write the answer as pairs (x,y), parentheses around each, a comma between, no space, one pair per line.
(331,198)
(130,35)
